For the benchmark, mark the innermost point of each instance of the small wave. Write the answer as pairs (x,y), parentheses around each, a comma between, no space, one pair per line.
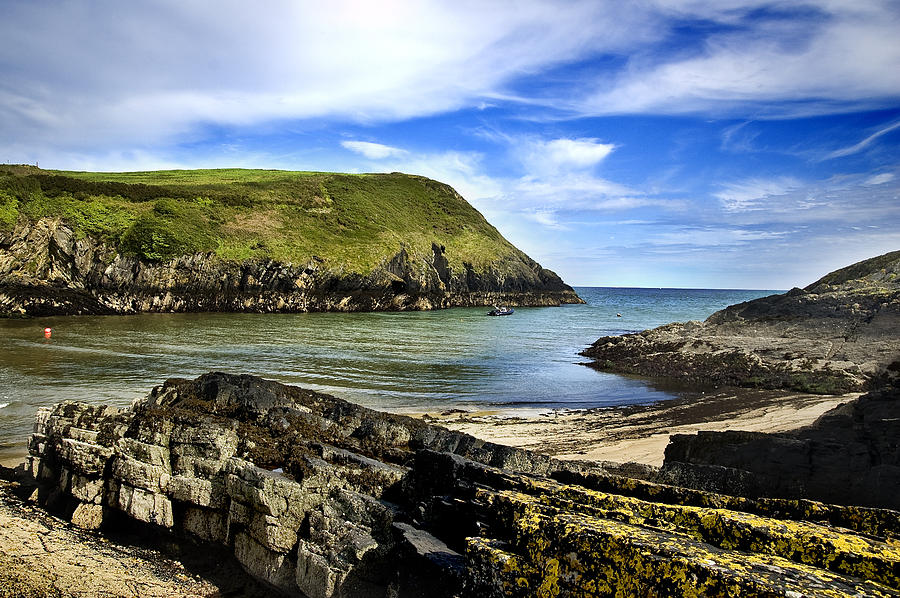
(2,405)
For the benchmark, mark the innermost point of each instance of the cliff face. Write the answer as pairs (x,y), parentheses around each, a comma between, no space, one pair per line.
(321,498)
(46,269)
(838,335)
(256,241)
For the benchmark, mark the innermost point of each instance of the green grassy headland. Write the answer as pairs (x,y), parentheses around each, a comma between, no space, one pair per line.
(352,221)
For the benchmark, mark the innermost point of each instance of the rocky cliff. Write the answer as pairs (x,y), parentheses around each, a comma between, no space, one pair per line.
(286,242)
(318,497)
(839,334)
(45,270)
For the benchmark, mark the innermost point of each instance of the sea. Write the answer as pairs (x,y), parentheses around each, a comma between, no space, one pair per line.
(404,362)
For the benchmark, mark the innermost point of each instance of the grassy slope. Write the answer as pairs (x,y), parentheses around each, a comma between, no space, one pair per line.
(352,221)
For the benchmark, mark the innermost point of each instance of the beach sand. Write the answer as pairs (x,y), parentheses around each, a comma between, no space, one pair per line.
(640,433)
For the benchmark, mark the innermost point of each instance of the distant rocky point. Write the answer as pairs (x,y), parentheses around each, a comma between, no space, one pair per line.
(251,241)
(840,334)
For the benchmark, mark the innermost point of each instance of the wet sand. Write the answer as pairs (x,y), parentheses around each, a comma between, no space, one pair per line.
(640,433)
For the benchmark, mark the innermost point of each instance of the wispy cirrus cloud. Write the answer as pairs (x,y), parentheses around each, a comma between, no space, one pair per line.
(562,175)
(880,179)
(154,72)
(840,201)
(862,145)
(754,193)
(138,75)
(546,218)
(693,236)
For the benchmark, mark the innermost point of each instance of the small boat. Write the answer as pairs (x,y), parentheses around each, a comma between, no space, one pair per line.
(501,311)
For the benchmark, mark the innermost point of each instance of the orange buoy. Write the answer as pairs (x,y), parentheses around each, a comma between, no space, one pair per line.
(47,331)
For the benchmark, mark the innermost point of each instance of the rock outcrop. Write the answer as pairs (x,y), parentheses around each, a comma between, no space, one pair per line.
(47,269)
(840,334)
(319,497)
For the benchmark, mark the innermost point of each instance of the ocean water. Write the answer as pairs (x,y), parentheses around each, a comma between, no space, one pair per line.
(456,358)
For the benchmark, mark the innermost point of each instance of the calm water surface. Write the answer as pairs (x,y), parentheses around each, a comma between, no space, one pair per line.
(398,361)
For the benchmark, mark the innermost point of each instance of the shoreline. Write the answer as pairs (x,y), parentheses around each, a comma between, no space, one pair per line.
(630,433)
(640,433)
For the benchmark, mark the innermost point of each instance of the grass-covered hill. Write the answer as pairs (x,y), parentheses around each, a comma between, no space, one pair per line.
(357,220)
(347,223)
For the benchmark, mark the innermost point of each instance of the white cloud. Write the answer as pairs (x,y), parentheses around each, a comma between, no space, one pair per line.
(106,73)
(373,151)
(711,237)
(839,201)
(766,67)
(546,218)
(561,177)
(555,187)
(572,153)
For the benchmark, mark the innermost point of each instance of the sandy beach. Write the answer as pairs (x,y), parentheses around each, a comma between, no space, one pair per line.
(640,433)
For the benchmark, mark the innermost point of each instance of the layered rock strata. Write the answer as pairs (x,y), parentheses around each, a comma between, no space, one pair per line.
(839,334)
(319,497)
(46,269)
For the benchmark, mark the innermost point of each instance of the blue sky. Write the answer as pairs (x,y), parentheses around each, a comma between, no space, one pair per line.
(679,143)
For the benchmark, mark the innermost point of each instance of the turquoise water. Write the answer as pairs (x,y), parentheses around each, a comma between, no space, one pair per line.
(456,358)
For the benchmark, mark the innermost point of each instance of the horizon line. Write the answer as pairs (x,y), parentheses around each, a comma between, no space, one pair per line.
(588,286)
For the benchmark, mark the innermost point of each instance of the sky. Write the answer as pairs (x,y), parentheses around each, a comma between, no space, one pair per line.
(653,143)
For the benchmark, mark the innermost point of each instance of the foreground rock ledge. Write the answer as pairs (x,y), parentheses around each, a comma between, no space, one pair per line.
(319,497)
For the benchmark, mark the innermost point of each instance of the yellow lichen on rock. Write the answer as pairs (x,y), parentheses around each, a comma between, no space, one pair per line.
(800,541)
(567,552)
